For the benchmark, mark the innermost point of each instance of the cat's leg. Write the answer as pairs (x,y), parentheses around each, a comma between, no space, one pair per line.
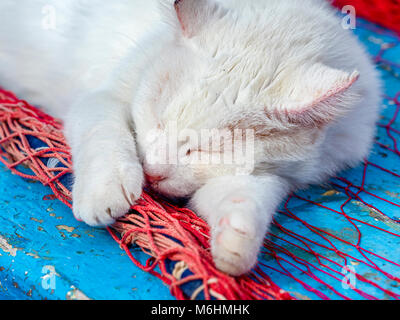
(108,174)
(239,210)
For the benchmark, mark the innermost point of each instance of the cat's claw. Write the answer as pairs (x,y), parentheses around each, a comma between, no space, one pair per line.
(102,196)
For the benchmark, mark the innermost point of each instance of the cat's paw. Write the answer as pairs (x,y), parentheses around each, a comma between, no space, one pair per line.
(105,191)
(236,237)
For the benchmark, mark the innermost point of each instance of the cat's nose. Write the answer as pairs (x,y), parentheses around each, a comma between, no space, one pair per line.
(153,179)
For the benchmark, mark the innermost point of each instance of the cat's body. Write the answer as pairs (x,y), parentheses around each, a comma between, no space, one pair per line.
(283,68)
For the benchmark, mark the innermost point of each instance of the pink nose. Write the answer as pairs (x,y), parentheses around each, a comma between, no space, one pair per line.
(153,179)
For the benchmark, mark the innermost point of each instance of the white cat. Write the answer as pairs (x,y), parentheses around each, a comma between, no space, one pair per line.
(115,71)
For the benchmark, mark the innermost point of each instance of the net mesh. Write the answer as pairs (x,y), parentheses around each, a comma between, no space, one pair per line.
(339,241)
(176,240)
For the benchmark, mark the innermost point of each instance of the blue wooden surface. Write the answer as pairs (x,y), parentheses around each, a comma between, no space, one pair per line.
(35,233)
(378,182)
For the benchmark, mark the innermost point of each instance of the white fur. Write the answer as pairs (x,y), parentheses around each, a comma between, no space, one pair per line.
(284,68)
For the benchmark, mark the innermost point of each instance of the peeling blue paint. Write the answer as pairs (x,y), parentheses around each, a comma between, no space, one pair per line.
(44,233)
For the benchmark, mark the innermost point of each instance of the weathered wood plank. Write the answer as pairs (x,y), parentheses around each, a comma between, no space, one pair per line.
(38,237)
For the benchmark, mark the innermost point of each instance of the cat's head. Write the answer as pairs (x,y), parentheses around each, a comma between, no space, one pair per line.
(222,73)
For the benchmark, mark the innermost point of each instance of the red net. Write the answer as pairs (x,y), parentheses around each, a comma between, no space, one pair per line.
(342,244)
(385,13)
(175,239)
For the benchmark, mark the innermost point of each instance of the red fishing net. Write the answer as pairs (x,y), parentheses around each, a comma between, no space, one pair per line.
(341,242)
(383,12)
(175,239)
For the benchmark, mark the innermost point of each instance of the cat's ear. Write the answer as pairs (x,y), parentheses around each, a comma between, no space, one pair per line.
(194,15)
(316,96)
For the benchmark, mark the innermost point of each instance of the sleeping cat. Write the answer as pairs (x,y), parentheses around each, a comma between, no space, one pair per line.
(116,71)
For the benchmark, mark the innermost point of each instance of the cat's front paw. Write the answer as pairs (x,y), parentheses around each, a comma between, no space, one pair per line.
(236,237)
(105,191)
